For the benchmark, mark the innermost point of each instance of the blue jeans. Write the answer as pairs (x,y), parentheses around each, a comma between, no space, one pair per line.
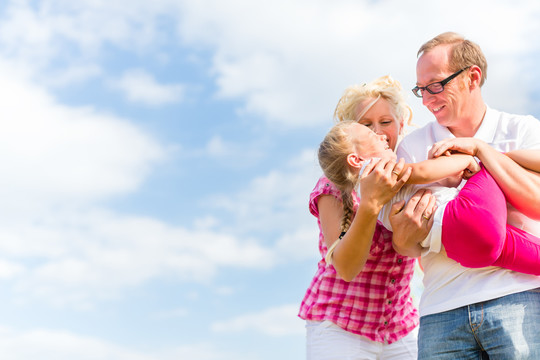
(503,328)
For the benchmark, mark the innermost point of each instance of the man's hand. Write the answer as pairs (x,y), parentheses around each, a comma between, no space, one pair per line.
(412,222)
(469,146)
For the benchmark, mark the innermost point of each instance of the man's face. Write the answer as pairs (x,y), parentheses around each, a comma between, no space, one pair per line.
(448,105)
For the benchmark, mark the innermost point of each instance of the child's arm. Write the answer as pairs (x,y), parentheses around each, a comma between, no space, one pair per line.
(529,159)
(433,170)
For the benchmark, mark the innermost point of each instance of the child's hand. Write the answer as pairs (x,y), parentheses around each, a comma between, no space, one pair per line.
(472,169)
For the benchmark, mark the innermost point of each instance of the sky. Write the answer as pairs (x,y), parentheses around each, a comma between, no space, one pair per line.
(157,158)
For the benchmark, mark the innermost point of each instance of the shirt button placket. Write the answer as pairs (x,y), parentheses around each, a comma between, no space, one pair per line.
(392,290)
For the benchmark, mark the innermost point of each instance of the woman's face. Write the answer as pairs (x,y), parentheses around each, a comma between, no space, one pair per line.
(381,120)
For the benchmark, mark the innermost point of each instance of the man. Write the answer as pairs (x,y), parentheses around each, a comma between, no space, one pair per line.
(487,313)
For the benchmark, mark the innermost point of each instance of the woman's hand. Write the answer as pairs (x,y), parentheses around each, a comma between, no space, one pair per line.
(381,180)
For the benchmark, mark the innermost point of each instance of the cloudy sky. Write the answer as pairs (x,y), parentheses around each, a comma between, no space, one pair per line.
(157,158)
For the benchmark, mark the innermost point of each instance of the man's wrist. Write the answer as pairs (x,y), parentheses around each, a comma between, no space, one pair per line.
(414,250)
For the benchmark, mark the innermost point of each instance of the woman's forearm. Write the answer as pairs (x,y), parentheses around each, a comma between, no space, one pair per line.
(351,253)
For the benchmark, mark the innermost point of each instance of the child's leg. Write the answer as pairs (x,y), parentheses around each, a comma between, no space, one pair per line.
(475,232)
(474,224)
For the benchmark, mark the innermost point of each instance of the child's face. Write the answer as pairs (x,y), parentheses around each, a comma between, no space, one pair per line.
(367,144)
(381,120)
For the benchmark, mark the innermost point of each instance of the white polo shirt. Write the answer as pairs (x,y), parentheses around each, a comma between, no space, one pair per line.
(447,284)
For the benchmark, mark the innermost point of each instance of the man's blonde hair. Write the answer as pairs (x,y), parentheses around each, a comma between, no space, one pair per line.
(464,53)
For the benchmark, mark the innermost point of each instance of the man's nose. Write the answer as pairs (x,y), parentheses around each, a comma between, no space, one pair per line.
(427,98)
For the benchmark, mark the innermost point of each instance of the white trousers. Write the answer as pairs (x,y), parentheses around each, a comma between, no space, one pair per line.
(327,341)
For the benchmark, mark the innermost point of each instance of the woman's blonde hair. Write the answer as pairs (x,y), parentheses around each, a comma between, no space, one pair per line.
(348,106)
(333,152)
(336,146)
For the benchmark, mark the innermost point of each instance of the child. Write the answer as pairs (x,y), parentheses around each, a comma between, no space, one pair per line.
(476,223)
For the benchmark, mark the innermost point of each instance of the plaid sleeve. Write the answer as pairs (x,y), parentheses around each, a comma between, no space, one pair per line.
(323,187)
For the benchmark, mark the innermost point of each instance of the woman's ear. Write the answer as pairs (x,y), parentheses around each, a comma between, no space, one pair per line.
(355,161)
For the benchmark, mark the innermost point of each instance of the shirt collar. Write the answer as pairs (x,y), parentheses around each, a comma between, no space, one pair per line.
(440,132)
(488,127)
(486,131)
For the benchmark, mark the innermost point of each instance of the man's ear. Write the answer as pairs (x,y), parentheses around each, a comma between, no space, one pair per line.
(355,161)
(475,76)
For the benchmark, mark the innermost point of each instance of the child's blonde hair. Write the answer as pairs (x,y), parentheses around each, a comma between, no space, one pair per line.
(333,152)
(385,87)
(336,146)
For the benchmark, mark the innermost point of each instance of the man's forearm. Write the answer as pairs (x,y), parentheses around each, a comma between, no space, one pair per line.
(406,247)
(520,186)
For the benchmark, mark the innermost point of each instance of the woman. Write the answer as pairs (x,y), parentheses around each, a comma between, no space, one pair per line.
(360,306)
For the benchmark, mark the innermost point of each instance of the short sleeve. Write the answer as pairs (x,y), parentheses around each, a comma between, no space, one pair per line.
(323,187)
(529,133)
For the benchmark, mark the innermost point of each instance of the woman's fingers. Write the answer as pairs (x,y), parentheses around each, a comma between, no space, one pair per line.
(369,167)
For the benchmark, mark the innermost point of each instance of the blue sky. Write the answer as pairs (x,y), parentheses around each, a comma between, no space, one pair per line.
(157,159)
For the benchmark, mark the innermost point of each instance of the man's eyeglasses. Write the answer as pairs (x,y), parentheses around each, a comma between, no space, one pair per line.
(436,87)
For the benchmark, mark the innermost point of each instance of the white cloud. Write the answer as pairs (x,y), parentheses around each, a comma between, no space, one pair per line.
(275,321)
(74,74)
(9,269)
(78,257)
(59,345)
(55,154)
(279,72)
(92,256)
(232,154)
(39,33)
(47,344)
(140,86)
(293,74)
(278,197)
(301,243)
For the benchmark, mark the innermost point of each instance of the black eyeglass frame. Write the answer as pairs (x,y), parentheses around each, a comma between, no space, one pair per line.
(417,89)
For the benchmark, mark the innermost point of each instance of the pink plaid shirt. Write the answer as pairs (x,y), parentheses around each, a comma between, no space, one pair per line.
(377,303)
